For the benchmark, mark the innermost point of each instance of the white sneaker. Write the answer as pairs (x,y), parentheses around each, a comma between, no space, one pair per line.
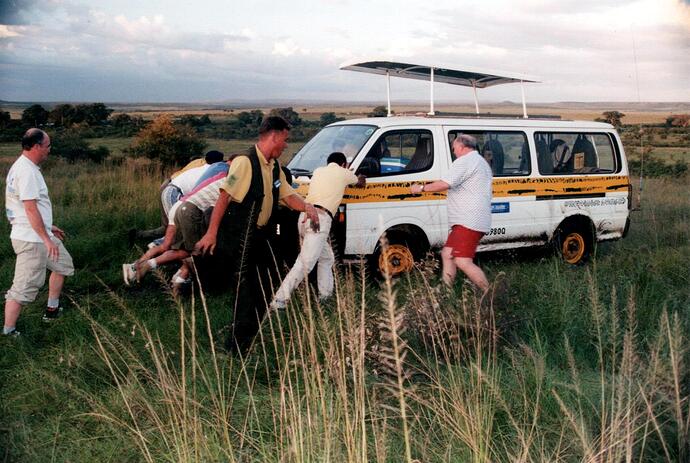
(277,304)
(129,273)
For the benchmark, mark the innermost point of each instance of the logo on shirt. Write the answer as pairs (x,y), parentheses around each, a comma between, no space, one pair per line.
(231,180)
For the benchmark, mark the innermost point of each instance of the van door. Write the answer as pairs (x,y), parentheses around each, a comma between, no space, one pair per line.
(393,159)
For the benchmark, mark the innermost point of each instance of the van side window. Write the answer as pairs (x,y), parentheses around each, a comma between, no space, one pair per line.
(399,152)
(562,153)
(506,152)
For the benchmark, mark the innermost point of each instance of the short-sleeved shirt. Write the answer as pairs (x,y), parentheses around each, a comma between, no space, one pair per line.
(239,180)
(191,165)
(25,182)
(189,178)
(469,196)
(328,185)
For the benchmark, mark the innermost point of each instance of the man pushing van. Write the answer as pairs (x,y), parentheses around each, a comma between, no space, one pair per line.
(468,182)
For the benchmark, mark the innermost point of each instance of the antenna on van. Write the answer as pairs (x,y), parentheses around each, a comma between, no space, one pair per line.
(642,132)
(467,77)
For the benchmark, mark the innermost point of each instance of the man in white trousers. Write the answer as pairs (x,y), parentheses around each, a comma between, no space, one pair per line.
(325,193)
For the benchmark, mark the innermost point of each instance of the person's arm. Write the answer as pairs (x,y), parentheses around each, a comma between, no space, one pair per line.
(361,181)
(208,241)
(36,222)
(296,203)
(433,187)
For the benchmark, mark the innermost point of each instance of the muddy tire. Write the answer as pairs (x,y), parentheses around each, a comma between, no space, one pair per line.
(574,243)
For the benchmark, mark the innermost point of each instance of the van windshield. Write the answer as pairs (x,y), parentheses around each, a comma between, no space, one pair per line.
(347,139)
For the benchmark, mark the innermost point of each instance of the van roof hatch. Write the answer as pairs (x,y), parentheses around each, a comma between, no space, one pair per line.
(468,77)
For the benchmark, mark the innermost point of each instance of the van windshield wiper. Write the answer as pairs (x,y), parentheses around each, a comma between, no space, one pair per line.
(297,170)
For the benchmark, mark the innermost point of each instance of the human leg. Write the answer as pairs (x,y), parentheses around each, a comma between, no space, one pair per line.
(324,268)
(312,248)
(448,266)
(29,276)
(12,310)
(473,272)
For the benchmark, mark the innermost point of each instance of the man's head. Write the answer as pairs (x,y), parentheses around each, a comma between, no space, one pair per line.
(213,156)
(273,135)
(36,145)
(338,158)
(464,144)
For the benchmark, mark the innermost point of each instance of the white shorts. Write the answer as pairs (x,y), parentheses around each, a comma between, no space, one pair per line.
(31,266)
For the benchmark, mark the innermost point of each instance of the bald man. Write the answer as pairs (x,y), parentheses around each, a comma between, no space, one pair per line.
(36,241)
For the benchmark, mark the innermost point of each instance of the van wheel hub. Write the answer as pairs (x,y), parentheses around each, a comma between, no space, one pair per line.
(396,259)
(573,248)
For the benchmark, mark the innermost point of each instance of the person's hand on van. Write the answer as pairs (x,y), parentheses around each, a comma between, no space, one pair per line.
(416,189)
(361,181)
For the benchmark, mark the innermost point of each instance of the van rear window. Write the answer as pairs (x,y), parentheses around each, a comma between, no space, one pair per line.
(506,152)
(564,153)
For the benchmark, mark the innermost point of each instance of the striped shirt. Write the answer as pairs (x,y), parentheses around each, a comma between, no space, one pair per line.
(203,196)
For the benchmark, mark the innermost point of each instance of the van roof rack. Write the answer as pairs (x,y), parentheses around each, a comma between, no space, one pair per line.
(468,77)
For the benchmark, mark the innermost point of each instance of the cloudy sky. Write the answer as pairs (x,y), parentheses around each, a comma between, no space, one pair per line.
(231,50)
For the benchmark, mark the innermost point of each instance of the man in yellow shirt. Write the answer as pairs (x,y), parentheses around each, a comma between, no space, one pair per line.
(325,193)
(239,230)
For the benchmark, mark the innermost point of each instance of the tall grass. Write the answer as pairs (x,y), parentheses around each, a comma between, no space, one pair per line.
(566,364)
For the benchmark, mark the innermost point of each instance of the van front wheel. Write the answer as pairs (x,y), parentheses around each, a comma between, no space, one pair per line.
(574,245)
(394,259)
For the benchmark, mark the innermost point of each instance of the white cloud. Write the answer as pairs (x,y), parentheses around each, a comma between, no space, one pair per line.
(288,47)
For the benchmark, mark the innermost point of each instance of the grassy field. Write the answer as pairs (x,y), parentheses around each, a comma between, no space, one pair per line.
(568,364)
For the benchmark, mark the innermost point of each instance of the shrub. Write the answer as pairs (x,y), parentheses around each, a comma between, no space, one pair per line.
(379,111)
(35,116)
(170,144)
(71,145)
(655,167)
(329,118)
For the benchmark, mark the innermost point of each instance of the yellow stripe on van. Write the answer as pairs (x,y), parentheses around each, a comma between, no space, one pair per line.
(502,188)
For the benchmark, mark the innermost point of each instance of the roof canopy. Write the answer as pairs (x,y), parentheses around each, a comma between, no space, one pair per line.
(467,77)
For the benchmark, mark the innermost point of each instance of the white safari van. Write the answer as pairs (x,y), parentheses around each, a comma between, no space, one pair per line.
(561,182)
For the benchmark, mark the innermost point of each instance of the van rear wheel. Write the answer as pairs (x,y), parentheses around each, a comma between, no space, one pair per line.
(574,244)
(394,259)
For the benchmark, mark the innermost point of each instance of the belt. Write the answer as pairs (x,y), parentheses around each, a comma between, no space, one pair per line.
(325,210)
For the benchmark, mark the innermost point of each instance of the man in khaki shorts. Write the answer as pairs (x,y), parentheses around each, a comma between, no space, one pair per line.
(36,241)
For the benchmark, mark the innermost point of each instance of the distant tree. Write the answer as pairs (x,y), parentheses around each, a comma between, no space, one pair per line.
(678,120)
(5,118)
(168,143)
(613,117)
(70,144)
(65,115)
(122,120)
(35,115)
(194,121)
(329,118)
(93,114)
(250,118)
(379,111)
(288,114)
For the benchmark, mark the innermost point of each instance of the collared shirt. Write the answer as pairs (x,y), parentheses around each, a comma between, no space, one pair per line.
(239,179)
(25,182)
(328,185)
(469,196)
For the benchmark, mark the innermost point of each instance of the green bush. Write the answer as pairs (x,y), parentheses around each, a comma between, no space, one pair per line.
(655,167)
(72,146)
(168,143)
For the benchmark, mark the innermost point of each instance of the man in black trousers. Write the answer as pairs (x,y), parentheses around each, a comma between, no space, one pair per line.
(240,226)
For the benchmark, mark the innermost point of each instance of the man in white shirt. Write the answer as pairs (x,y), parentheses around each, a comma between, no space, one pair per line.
(36,241)
(468,182)
(325,193)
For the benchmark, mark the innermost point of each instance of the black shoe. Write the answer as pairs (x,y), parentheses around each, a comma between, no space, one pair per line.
(51,315)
